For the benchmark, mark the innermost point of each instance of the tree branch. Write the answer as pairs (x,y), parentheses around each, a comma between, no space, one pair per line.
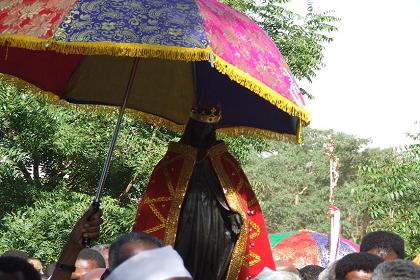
(25,172)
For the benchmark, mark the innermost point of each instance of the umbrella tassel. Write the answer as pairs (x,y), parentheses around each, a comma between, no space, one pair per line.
(106,48)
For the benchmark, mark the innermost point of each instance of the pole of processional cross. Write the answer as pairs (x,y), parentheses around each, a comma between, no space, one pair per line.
(333,211)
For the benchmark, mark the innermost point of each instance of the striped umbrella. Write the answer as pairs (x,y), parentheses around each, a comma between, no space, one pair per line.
(305,247)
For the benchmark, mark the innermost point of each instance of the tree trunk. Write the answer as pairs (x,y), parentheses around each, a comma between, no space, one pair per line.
(25,172)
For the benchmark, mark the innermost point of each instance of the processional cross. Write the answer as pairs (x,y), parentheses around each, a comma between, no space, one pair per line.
(333,211)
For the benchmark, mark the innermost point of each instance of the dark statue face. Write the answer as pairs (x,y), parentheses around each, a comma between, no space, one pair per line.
(199,134)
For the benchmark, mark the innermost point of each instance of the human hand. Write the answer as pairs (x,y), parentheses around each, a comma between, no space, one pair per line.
(86,227)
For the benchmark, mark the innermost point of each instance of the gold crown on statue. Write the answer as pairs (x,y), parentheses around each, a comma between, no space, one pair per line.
(206,115)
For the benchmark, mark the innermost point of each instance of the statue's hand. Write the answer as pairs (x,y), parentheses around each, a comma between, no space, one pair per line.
(236,223)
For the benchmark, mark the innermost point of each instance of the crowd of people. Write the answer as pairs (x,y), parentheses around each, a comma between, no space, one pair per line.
(139,256)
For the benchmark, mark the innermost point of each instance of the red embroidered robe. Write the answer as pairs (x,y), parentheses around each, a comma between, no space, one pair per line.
(159,210)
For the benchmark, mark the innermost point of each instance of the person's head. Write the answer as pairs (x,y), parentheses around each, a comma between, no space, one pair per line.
(356,266)
(130,244)
(387,245)
(86,261)
(310,272)
(104,250)
(36,263)
(396,270)
(15,268)
(16,253)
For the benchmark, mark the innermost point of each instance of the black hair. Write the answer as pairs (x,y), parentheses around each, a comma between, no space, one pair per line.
(354,262)
(17,254)
(89,254)
(396,270)
(132,237)
(383,240)
(10,264)
(310,272)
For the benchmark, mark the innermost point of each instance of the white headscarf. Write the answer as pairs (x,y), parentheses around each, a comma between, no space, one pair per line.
(155,264)
(268,274)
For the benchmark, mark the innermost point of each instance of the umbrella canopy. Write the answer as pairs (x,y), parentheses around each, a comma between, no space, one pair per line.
(305,247)
(187,52)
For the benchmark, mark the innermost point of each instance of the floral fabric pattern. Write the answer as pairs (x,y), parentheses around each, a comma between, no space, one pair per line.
(309,247)
(153,22)
(243,59)
(32,18)
(242,43)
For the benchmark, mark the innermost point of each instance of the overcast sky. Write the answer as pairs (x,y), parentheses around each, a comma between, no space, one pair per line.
(370,86)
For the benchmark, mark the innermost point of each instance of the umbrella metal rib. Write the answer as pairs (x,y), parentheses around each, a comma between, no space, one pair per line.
(108,157)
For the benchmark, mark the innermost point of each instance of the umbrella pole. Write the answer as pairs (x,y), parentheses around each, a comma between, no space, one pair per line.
(108,157)
(97,201)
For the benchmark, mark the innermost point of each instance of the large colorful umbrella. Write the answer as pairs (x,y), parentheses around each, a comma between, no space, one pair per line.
(302,248)
(158,57)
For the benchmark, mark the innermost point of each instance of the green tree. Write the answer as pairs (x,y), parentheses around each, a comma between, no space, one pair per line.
(292,182)
(43,145)
(388,195)
(42,229)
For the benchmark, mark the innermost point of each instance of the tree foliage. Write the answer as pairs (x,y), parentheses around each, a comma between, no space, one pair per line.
(43,145)
(388,195)
(42,229)
(292,182)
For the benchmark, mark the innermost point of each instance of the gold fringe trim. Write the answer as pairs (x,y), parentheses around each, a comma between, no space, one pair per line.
(261,89)
(162,52)
(106,48)
(91,108)
(262,133)
(145,117)
(46,95)
(299,132)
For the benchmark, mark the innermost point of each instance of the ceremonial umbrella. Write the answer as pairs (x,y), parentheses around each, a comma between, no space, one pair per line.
(305,247)
(157,57)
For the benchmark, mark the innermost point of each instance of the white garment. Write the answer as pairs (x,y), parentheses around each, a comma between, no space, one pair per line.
(268,274)
(155,264)
(328,273)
